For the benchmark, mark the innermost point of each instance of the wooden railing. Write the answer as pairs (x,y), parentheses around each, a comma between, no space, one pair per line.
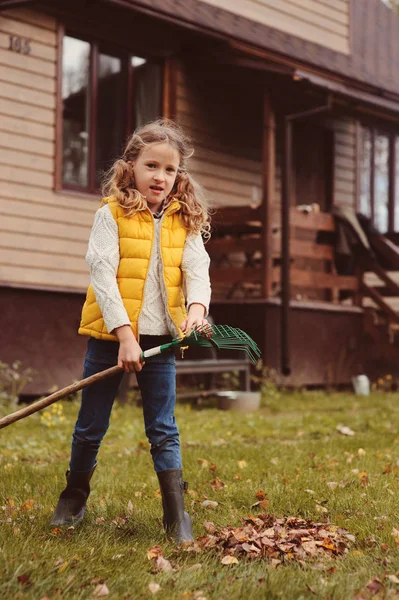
(237,249)
(378,284)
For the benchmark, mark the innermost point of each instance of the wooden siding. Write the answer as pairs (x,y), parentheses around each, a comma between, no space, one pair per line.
(226,129)
(344,175)
(228,153)
(344,162)
(43,234)
(319,21)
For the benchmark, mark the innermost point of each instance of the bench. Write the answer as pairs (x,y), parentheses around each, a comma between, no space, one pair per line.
(201,366)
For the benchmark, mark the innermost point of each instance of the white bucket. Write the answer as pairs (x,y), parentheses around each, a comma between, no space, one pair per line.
(239,400)
(361,385)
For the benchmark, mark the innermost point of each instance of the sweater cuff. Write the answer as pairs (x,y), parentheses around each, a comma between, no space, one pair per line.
(203,301)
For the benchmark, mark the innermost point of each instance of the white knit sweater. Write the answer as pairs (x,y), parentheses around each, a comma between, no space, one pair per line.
(103,260)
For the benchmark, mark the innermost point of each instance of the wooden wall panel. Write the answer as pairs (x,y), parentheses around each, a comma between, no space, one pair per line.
(318,21)
(43,234)
(345,161)
(226,128)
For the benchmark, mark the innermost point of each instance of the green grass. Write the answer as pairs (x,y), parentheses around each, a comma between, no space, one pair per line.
(291,449)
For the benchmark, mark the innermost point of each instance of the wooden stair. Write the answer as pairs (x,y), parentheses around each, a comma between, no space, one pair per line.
(379,296)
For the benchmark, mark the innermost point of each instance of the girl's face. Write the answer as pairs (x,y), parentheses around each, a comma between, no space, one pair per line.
(155,171)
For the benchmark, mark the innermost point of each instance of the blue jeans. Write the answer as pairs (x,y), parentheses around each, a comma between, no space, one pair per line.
(157,383)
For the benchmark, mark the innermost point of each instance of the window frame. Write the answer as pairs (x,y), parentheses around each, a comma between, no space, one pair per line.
(375,128)
(97,46)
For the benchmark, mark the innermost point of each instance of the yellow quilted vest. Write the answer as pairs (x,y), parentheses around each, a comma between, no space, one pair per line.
(136,236)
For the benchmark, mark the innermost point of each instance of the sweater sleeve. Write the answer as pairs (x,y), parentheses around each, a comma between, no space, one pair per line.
(103,260)
(195,268)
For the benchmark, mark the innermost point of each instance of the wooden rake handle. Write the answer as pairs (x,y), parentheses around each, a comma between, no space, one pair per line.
(70,389)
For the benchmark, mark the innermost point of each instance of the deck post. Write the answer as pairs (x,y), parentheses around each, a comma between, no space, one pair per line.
(268,183)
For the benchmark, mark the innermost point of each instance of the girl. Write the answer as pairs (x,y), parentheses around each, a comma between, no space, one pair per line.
(145,246)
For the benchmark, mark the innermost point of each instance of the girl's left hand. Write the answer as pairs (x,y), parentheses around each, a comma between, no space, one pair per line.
(195,318)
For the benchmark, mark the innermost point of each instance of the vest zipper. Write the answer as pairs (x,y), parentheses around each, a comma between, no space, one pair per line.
(164,290)
(145,282)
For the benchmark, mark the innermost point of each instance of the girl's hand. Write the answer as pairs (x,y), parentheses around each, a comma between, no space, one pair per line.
(195,318)
(129,356)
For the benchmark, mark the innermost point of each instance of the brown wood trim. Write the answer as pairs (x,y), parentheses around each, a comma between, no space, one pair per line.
(311,305)
(4,4)
(236,215)
(226,275)
(170,88)
(41,288)
(387,249)
(312,279)
(59,111)
(392,183)
(372,178)
(358,66)
(93,86)
(130,126)
(379,300)
(302,249)
(358,153)
(313,221)
(392,286)
(222,246)
(268,183)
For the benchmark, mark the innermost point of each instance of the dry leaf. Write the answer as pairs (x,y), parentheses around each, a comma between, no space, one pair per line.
(242,464)
(209,526)
(263,504)
(101,591)
(24,580)
(393,578)
(332,484)
(27,505)
(217,484)
(374,585)
(56,531)
(209,504)
(161,565)
(229,560)
(130,508)
(344,430)
(361,452)
(154,587)
(154,552)
(260,495)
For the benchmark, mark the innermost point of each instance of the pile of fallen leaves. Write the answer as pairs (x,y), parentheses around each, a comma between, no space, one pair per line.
(275,539)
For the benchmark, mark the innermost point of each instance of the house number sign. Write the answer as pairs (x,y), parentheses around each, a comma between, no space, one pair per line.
(18,44)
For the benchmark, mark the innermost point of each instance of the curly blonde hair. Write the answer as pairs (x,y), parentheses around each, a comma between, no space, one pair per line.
(119,180)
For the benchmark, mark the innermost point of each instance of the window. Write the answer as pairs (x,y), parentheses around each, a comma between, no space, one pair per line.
(377,180)
(105,95)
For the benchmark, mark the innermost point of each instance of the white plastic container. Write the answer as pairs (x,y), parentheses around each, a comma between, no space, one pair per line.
(361,385)
(241,401)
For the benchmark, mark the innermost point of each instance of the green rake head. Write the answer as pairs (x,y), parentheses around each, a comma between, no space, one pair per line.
(223,337)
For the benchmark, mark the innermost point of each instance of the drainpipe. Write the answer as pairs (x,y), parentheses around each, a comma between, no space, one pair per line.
(285,229)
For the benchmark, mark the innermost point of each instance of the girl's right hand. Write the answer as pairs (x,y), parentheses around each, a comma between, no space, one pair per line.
(129,356)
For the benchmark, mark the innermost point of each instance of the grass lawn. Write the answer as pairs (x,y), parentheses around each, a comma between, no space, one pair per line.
(290,449)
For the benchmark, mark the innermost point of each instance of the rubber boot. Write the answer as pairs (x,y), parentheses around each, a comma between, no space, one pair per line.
(71,505)
(176,522)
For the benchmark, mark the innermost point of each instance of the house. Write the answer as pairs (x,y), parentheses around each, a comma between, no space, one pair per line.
(290,104)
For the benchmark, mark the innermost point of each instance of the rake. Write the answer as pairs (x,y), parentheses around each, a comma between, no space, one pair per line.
(222,337)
